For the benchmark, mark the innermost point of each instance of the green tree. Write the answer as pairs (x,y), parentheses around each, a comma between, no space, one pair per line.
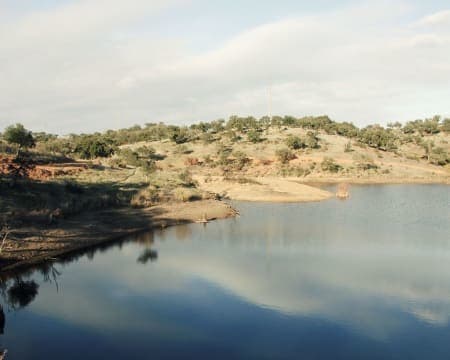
(92,146)
(17,134)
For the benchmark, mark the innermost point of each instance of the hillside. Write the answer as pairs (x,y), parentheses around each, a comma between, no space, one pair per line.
(244,155)
(59,194)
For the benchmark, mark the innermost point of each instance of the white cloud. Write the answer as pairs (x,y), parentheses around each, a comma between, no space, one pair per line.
(315,279)
(82,67)
(441,17)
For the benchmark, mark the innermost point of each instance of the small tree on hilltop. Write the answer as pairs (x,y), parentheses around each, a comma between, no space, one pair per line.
(17,134)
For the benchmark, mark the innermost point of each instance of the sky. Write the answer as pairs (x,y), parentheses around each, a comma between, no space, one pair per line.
(91,65)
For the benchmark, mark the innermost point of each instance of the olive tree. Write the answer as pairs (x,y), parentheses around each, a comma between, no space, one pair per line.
(18,135)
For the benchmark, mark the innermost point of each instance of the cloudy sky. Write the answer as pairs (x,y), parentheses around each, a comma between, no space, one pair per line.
(85,65)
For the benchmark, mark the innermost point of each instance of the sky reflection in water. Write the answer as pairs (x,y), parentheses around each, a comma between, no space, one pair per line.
(364,278)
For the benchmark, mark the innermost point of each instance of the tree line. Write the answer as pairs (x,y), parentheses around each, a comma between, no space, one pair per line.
(89,146)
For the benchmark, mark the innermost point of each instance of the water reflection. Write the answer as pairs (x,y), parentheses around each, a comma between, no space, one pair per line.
(146,255)
(365,275)
(22,293)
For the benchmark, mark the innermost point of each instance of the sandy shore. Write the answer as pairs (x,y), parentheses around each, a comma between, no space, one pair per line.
(266,189)
(33,244)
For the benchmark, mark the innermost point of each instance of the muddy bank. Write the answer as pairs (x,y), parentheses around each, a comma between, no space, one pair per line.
(34,244)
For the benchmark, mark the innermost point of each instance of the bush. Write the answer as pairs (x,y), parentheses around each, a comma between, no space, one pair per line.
(295,142)
(346,129)
(185,195)
(145,197)
(254,136)
(146,152)
(446,125)
(309,141)
(365,162)
(179,135)
(439,156)
(241,160)
(90,147)
(328,164)
(186,179)
(132,158)
(284,155)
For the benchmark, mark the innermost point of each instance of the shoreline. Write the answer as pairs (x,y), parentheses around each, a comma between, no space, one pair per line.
(88,230)
(366,181)
(34,243)
(292,189)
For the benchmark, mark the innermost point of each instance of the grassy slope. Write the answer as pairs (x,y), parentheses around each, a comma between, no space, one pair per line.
(407,164)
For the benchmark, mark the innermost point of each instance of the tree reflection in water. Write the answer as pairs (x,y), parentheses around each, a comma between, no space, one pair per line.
(146,255)
(22,293)
(18,291)
(147,240)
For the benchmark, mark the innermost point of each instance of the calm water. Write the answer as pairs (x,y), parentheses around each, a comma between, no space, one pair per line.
(364,278)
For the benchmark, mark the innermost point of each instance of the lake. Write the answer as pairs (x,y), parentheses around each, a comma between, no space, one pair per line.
(365,278)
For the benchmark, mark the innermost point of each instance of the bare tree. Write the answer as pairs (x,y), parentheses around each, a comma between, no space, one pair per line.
(5,231)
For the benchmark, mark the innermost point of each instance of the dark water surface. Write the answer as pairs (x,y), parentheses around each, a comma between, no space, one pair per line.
(367,278)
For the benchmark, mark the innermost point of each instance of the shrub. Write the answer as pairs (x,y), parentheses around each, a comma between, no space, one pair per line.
(241,160)
(132,158)
(364,162)
(284,155)
(446,125)
(346,129)
(186,179)
(439,156)
(311,140)
(329,164)
(90,147)
(294,142)
(179,135)
(183,194)
(145,197)
(254,136)
(146,152)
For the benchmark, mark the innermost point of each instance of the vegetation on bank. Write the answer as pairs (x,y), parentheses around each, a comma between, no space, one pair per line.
(235,130)
(142,165)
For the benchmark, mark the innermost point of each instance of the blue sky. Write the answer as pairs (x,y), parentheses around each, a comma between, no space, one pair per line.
(85,65)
